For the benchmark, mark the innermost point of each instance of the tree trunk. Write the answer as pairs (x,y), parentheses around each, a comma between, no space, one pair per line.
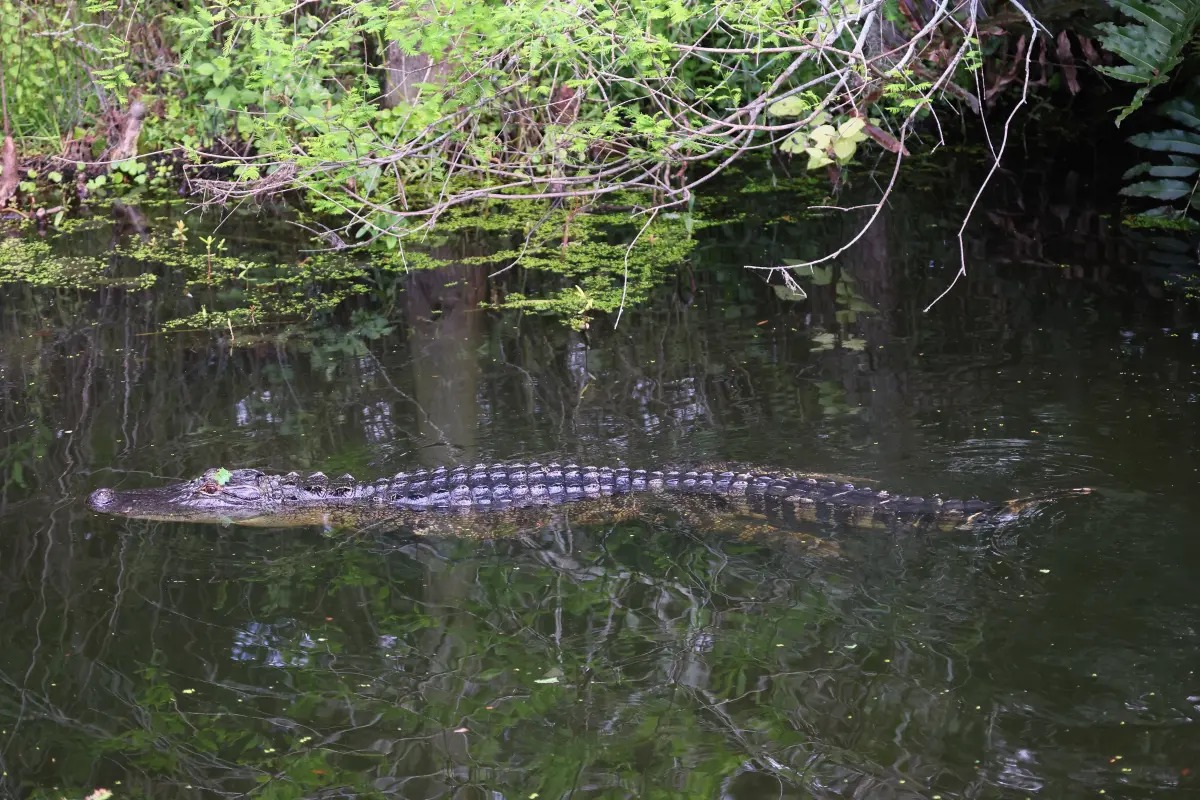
(403,75)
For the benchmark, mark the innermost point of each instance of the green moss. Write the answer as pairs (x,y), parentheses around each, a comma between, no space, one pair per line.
(1161,223)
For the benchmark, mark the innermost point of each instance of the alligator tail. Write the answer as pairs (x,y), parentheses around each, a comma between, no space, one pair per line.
(1020,505)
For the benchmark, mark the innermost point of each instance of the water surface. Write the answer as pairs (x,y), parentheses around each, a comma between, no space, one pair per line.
(644,657)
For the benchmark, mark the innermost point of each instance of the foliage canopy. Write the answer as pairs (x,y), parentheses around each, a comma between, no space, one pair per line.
(386,115)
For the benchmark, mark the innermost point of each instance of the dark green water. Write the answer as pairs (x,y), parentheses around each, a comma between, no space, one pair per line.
(628,658)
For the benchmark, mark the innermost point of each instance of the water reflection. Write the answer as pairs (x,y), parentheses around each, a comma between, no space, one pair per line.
(272,644)
(446,326)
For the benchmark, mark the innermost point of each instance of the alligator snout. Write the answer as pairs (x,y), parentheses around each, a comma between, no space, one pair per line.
(102,499)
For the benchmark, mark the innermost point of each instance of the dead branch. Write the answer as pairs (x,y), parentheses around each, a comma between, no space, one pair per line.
(8,171)
(8,150)
(129,128)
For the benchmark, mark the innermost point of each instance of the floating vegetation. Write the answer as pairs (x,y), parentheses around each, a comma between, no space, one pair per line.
(607,265)
(555,261)
(33,262)
(1161,223)
(825,340)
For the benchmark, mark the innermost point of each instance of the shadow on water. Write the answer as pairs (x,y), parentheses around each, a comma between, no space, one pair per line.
(620,657)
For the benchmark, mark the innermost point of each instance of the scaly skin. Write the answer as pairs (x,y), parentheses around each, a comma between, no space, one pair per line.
(251,497)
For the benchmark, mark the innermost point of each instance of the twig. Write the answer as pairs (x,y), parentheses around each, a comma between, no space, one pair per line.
(996,156)
(628,250)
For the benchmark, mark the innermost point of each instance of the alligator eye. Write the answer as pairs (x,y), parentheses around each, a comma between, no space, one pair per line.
(210,487)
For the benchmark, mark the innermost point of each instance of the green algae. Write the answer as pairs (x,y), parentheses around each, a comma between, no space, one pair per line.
(578,264)
(562,262)
(601,276)
(1160,222)
(34,262)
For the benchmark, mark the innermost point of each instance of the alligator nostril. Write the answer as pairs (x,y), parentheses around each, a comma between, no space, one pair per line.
(102,499)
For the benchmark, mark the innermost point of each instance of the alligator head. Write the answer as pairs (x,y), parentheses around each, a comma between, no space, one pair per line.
(219,495)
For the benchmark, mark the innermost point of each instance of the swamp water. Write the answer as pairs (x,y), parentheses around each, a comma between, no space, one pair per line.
(642,657)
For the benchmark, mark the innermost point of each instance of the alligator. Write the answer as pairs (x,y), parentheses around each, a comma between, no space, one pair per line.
(442,499)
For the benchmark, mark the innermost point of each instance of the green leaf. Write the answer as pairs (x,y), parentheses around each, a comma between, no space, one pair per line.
(844,149)
(817,158)
(1159,190)
(852,129)
(822,276)
(1172,171)
(222,476)
(791,294)
(1136,171)
(822,135)
(795,143)
(1153,44)
(1169,141)
(1182,111)
(793,106)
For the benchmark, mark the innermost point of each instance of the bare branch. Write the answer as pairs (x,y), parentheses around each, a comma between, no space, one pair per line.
(997,154)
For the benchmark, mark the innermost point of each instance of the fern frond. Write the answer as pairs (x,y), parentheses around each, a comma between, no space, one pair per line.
(1153,44)
(1179,179)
